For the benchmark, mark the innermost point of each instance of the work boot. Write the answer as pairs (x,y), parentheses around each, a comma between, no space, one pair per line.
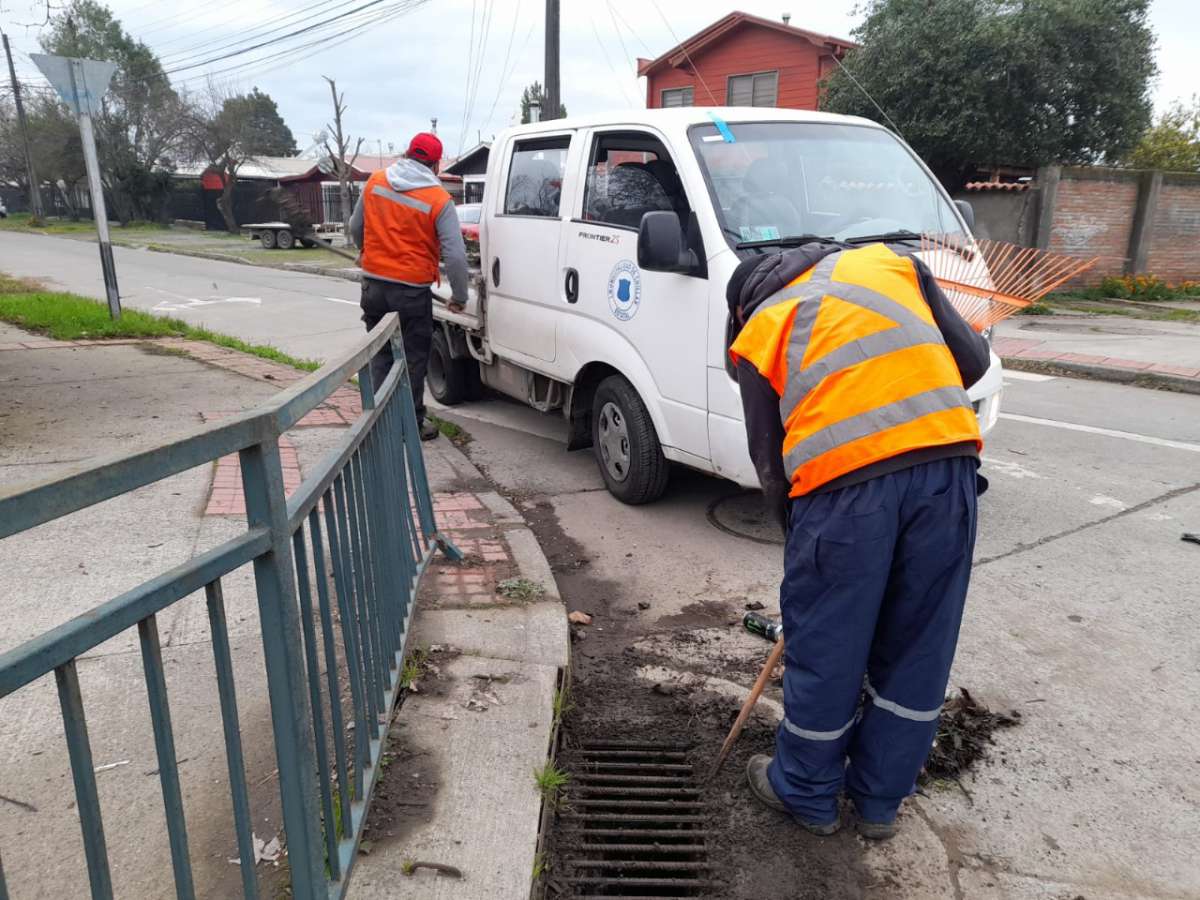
(760,787)
(877,831)
(429,431)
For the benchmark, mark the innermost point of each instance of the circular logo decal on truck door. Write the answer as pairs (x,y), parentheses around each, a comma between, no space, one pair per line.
(624,290)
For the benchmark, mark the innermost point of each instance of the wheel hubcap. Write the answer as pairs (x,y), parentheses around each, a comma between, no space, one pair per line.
(614,441)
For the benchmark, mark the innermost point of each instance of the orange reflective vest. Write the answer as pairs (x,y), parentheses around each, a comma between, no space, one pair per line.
(400,240)
(862,371)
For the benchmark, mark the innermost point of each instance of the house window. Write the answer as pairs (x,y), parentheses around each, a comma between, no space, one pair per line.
(677,97)
(535,177)
(759,89)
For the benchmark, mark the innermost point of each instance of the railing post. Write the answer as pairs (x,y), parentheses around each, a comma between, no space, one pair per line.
(295,751)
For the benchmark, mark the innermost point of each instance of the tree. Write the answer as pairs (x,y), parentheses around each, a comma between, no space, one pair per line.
(229,130)
(973,83)
(536,92)
(142,117)
(1173,143)
(337,151)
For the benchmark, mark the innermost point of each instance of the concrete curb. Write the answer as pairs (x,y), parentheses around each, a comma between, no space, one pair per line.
(1135,377)
(305,268)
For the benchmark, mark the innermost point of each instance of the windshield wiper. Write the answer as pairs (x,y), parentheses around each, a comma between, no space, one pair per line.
(884,238)
(792,240)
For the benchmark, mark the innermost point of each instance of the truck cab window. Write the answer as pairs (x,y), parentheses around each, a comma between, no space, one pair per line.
(535,177)
(629,175)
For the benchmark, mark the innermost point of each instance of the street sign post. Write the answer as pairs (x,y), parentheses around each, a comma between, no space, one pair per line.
(82,83)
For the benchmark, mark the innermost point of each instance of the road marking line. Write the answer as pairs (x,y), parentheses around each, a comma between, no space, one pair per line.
(340,300)
(1107,432)
(1026,376)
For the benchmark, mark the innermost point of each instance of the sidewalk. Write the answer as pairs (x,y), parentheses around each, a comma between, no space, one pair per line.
(1111,348)
(458,788)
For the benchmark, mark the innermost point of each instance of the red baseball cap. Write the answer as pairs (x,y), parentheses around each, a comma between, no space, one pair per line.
(426,148)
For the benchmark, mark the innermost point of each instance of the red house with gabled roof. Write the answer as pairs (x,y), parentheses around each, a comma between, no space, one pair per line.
(744,60)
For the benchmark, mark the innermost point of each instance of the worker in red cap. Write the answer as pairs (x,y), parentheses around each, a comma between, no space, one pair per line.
(405,223)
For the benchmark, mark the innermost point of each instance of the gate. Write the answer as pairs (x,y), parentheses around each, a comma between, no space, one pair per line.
(336,569)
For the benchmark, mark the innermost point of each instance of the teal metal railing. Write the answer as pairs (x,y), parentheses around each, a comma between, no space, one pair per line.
(336,569)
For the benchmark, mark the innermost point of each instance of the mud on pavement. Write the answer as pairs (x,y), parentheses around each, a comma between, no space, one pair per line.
(678,680)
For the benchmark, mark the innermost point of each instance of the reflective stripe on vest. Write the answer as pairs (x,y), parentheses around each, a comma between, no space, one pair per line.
(856,387)
(400,240)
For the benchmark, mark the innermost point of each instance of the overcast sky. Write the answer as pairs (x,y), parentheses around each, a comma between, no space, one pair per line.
(413,66)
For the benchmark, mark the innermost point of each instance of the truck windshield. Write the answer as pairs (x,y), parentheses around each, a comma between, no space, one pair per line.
(776,180)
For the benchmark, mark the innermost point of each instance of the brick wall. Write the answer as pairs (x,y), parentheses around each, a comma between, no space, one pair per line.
(1093,216)
(1174,240)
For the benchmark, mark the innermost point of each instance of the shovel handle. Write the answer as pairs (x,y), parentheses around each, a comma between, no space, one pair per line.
(755,693)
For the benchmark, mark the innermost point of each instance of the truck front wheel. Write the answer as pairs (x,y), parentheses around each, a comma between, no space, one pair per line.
(626,445)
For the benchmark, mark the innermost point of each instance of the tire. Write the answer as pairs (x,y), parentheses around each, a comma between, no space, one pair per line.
(285,240)
(626,444)
(449,379)
(267,239)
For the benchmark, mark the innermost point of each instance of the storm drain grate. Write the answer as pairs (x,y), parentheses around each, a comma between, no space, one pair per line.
(633,824)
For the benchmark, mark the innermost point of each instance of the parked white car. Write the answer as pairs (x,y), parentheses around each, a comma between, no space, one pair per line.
(3,210)
(606,246)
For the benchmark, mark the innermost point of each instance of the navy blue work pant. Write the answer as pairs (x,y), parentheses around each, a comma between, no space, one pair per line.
(872,597)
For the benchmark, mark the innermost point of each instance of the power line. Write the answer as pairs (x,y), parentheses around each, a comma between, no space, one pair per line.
(489,8)
(850,75)
(462,127)
(504,65)
(299,31)
(607,59)
(617,29)
(182,56)
(637,36)
(687,55)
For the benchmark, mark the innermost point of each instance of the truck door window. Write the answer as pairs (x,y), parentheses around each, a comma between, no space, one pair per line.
(629,175)
(535,177)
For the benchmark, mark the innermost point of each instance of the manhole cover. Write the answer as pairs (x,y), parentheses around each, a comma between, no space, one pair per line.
(745,515)
(633,823)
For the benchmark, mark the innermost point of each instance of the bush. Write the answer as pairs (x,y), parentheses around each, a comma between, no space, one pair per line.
(1146,287)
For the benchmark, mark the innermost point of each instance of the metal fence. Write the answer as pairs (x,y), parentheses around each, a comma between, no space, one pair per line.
(336,568)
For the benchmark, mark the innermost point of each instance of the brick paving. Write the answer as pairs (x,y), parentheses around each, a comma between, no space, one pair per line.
(227,498)
(1021,348)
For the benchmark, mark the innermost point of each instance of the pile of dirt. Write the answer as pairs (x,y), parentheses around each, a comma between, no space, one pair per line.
(963,736)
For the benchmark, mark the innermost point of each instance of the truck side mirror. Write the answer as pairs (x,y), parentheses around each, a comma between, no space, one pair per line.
(967,211)
(660,244)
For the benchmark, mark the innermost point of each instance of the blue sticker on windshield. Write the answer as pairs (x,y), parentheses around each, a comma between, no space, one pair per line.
(723,127)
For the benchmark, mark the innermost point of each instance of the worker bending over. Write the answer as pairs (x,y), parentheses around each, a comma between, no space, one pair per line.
(852,366)
(404,223)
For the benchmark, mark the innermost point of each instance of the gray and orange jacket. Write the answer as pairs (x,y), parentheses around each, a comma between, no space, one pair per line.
(404,222)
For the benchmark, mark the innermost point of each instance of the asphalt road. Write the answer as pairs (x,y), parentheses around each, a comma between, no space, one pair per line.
(308,316)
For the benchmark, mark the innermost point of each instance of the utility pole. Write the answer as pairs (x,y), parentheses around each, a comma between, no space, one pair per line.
(35,192)
(553,100)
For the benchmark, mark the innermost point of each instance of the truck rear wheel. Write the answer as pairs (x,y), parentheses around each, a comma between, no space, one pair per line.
(451,381)
(626,444)
(267,239)
(284,240)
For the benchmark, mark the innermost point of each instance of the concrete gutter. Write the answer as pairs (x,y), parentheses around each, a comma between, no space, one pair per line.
(485,817)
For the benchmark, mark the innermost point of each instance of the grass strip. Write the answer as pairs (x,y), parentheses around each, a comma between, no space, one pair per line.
(69,317)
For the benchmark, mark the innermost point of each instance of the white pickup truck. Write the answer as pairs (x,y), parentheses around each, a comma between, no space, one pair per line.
(606,243)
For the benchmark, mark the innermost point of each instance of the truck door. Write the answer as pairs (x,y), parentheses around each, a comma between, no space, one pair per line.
(523,237)
(659,319)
